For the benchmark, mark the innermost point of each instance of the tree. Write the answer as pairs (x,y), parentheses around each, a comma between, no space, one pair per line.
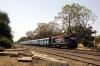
(30,35)
(54,29)
(5,42)
(45,30)
(42,30)
(4,17)
(23,39)
(5,31)
(75,19)
(74,15)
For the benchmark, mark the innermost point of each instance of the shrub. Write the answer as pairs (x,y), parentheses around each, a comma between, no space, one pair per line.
(5,42)
(91,44)
(2,49)
(97,48)
(85,43)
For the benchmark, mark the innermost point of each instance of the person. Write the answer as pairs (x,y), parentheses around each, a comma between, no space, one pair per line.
(92,45)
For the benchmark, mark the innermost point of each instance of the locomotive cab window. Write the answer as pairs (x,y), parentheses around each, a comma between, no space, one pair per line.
(72,39)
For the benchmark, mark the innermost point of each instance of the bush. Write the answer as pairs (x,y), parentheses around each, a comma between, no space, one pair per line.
(2,49)
(98,49)
(91,44)
(5,42)
(85,43)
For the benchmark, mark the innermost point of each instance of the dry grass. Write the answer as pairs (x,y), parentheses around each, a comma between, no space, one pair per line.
(12,61)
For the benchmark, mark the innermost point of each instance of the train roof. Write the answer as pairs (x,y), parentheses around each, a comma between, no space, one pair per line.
(59,36)
(42,39)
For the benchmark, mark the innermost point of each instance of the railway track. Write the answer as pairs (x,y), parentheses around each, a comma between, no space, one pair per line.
(86,57)
(80,57)
(86,52)
(89,52)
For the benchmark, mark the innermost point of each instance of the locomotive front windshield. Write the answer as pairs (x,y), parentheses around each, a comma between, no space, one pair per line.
(73,40)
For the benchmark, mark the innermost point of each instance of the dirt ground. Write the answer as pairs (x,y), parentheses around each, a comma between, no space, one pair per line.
(12,61)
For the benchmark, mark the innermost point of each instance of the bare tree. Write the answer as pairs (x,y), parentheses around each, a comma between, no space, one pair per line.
(30,35)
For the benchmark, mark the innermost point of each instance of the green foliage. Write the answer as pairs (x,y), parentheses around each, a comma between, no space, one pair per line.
(44,30)
(5,31)
(2,49)
(5,42)
(23,39)
(4,17)
(75,19)
(85,42)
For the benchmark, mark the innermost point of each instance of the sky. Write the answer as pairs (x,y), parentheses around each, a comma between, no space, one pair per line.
(26,14)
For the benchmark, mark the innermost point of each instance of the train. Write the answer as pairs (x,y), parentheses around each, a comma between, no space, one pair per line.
(68,41)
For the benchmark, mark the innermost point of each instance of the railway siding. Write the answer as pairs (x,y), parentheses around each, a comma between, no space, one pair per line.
(89,59)
(72,56)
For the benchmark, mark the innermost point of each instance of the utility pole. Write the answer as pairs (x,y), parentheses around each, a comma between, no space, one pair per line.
(90,43)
